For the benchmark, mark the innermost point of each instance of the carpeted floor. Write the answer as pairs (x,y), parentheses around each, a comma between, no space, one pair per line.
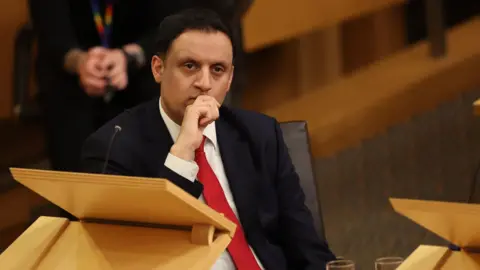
(431,157)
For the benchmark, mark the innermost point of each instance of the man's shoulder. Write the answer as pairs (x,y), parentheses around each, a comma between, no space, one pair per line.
(252,118)
(130,121)
(255,124)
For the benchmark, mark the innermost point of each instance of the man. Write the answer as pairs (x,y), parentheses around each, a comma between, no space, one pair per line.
(234,160)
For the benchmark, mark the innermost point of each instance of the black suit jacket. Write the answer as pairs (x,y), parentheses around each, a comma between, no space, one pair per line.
(263,181)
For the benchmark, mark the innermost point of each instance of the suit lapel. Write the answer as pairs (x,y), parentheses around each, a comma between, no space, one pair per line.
(238,164)
(158,129)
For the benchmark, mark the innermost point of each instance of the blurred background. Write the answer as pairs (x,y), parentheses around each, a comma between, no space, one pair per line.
(386,87)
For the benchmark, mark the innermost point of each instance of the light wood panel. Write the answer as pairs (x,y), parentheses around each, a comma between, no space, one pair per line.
(319,58)
(102,247)
(457,223)
(121,198)
(286,71)
(372,37)
(119,225)
(32,246)
(56,243)
(386,92)
(272,21)
(434,258)
(273,77)
(308,62)
(13,14)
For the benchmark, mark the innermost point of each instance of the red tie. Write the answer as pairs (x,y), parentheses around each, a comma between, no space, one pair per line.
(213,193)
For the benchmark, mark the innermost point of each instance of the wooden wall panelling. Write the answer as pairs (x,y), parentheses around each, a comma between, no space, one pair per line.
(270,22)
(373,37)
(13,14)
(386,92)
(294,67)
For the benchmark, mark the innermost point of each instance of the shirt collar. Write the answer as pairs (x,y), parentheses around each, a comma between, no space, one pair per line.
(174,128)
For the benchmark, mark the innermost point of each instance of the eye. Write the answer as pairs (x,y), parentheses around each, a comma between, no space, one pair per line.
(218,69)
(189,65)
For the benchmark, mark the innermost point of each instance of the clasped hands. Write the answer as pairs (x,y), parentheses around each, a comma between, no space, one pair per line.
(100,68)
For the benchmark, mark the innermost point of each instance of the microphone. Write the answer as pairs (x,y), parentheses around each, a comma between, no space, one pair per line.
(107,156)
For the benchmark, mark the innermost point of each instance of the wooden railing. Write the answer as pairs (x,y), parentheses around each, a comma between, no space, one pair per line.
(389,91)
(273,21)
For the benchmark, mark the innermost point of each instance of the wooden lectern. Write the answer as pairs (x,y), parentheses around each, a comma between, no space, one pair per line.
(124,223)
(458,223)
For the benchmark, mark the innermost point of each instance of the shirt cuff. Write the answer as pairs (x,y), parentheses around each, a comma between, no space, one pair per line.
(184,168)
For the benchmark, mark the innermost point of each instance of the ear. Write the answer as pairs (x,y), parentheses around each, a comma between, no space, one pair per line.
(158,67)
(231,78)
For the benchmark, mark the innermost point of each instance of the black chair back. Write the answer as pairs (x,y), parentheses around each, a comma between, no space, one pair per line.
(296,138)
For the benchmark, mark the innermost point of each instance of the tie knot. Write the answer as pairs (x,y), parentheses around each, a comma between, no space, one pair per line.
(202,145)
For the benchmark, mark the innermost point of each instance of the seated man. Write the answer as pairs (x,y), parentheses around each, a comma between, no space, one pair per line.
(233,160)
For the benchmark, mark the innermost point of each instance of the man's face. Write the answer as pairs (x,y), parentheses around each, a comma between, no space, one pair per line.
(197,63)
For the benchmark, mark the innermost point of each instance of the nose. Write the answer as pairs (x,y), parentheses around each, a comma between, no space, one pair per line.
(203,80)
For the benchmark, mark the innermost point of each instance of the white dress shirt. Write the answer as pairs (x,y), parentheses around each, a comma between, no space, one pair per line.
(189,170)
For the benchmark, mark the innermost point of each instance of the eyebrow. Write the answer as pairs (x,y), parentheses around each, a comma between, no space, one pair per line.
(189,58)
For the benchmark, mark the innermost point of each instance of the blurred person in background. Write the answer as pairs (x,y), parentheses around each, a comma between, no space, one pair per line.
(91,65)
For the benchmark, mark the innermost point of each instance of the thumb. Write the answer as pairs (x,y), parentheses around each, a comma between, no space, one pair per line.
(97,52)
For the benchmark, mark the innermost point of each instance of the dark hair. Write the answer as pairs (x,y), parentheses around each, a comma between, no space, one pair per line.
(200,19)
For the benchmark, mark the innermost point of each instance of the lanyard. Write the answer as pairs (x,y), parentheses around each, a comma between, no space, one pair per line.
(103,24)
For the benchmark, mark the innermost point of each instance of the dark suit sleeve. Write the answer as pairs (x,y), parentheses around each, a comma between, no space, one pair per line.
(126,159)
(195,189)
(303,248)
(94,155)
(51,21)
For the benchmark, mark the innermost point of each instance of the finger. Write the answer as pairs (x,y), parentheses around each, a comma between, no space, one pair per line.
(108,63)
(211,103)
(97,52)
(207,100)
(204,122)
(215,113)
(94,83)
(210,100)
(200,112)
(198,101)
(120,81)
(92,68)
(207,115)
(115,71)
